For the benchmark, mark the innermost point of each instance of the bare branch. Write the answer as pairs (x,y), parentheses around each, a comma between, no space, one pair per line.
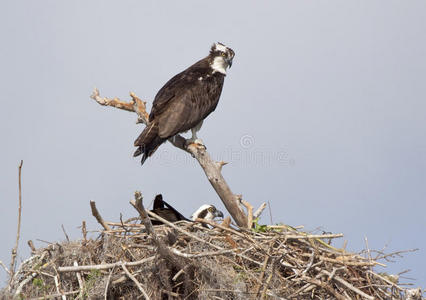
(259,211)
(104,266)
(4,267)
(249,208)
(15,249)
(66,235)
(80,280)
(98,217)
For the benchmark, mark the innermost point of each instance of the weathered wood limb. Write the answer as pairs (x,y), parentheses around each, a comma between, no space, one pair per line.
(97,215)
(211,168)
(249,208)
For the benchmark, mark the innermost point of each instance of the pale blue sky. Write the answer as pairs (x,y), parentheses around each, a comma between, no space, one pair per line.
(322,114)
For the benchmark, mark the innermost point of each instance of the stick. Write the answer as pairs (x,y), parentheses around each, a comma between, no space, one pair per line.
(204,254)
(31,245)
(259,211)
(4,267)
(133,278)
(66,235)
(57,288)
(80,281)
(98,217)
(107,284)
(249,208)
(84,231)
(15,249)
(211,168)
(105,266)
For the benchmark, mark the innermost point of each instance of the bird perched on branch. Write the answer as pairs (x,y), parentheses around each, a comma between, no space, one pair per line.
(185,101)
(166,211)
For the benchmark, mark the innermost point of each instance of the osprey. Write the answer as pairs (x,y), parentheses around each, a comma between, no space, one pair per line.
(166,211)
(207,212)
(185,101)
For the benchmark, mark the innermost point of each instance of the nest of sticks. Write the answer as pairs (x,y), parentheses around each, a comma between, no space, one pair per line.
(201,260)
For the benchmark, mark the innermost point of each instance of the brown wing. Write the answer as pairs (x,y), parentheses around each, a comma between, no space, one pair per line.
(190,105)
(172,87)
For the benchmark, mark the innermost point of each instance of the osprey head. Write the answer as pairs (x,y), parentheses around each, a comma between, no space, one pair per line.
(221,57)
(208,212)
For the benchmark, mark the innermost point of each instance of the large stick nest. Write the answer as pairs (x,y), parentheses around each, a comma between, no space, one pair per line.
(196,262)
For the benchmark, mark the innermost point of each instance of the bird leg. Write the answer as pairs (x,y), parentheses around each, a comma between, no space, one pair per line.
(194,140)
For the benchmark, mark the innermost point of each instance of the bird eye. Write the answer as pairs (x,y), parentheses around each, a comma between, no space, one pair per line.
(210,209)
(223,54)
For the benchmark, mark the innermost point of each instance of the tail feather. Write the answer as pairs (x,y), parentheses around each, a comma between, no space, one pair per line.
(147,142)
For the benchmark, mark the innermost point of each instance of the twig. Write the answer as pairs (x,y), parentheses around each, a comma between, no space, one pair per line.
(138,205)
(105,266)
(270,212)
(84,231)
(32,247)
(262,274)
(385,256)
(15,249)
(385,280)
(265,288)
(204,254)
(249,208)
(310,263)
(314,236)
(55,278)
(107,284)
(177,275)
(259,211)
(66,235)
(133,278)
(80,281)
(4,267)
(98,217)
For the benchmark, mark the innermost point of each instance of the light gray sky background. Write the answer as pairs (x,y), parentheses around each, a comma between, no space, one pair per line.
(322,114)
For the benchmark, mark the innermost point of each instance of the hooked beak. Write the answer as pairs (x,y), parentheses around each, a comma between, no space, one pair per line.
(229,62)
(218,214)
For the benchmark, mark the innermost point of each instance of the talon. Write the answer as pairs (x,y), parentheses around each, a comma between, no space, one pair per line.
(198,143)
